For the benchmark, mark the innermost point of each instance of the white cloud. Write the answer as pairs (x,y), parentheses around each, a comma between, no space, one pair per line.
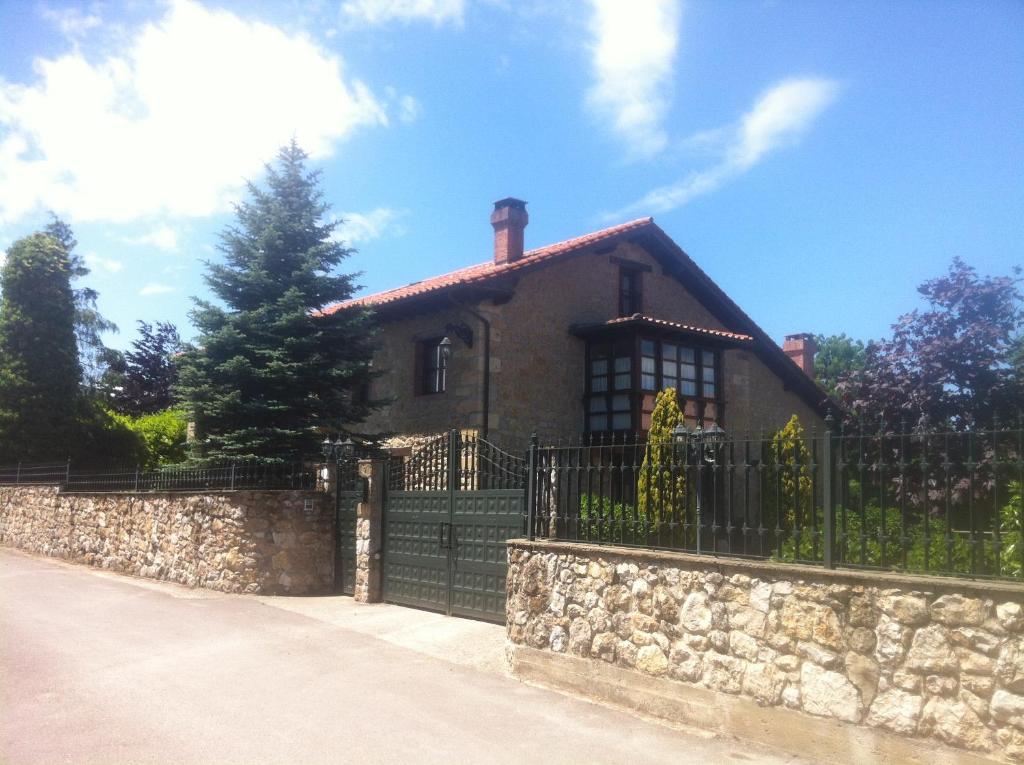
(163,237)
(359,228)
(374,12)
(155,288)
(72,22)
(778,118)
(633,50)
(409,109)
(99,263)
(197,101)
(405,106)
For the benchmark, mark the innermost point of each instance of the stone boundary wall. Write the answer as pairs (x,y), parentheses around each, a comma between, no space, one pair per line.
(270,542)
(887,657)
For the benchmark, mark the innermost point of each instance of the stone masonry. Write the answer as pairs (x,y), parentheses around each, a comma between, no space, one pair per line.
(270,542)
(369,516)
(936,659)
(537,367)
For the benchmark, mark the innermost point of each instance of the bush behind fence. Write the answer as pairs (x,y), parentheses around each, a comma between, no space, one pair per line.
(927,502)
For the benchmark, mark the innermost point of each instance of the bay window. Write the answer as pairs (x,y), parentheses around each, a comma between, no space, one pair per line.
(625,374)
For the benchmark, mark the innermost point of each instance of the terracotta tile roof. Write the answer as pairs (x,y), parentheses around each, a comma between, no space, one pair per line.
(485,271)
(641,319)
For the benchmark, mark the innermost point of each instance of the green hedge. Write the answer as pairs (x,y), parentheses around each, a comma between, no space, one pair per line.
(938,549)
(163,436)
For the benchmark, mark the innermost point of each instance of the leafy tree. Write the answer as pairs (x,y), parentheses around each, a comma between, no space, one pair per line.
(90,324)
(1012,531)
(838,357)
(148,371)
(271,372)
(949,365)
(1017,370)
(661,487)
(163,435)
(39,368)
(102,441)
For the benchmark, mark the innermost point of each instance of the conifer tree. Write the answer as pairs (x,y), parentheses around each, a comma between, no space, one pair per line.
(90,324)
(147,372)
(791,504)
(39,369)
(661,488)
(271,372)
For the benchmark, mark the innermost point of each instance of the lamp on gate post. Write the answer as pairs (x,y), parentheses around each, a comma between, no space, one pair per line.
(337,449)
(714,436)
(703,443)
(680,437)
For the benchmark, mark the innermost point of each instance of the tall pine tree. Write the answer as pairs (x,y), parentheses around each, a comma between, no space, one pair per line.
(269,373)
(90,324)
(39,369)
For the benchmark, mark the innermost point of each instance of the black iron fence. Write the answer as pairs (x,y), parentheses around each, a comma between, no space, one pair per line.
(39,473)
(230,476)
(887,499)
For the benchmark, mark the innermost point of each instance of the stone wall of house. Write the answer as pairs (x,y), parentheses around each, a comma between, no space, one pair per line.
(408,410)
(538,375)
(929,658)
(537,367)
(271,542)
(756,399)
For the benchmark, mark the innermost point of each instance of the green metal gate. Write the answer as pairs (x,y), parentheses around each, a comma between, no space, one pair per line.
(347,496)
(447,514)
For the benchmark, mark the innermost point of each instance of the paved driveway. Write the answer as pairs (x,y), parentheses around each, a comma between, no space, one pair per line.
(99,668)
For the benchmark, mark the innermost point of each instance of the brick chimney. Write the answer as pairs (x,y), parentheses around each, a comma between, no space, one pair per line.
(509,220)
(801,349)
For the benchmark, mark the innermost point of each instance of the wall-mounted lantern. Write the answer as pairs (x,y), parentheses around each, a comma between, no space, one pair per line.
(446,347)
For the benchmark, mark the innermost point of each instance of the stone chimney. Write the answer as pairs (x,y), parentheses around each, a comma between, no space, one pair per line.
(509,220)
(801,349)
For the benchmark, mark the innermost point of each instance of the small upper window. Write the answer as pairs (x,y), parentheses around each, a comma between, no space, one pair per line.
(433,366)
(629,292)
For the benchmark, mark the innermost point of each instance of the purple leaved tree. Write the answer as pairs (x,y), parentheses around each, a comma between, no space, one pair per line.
(956,364)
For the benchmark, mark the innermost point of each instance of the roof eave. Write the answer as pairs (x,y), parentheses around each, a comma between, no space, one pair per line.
(500,285)
(708,337)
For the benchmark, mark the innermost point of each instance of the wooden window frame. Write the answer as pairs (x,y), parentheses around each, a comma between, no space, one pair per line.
(635,298)
(637,391)
(423,348)
(614,347)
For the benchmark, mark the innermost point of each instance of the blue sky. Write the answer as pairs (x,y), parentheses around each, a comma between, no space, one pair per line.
(819,160)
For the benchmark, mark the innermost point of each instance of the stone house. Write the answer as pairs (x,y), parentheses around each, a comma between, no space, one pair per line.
(578,337)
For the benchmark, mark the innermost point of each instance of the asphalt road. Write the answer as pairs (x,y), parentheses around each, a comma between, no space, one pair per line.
(99,668)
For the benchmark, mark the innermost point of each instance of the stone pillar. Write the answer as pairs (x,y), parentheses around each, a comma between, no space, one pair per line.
(368,532)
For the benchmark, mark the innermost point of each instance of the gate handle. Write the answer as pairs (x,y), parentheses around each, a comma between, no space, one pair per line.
(440,536)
